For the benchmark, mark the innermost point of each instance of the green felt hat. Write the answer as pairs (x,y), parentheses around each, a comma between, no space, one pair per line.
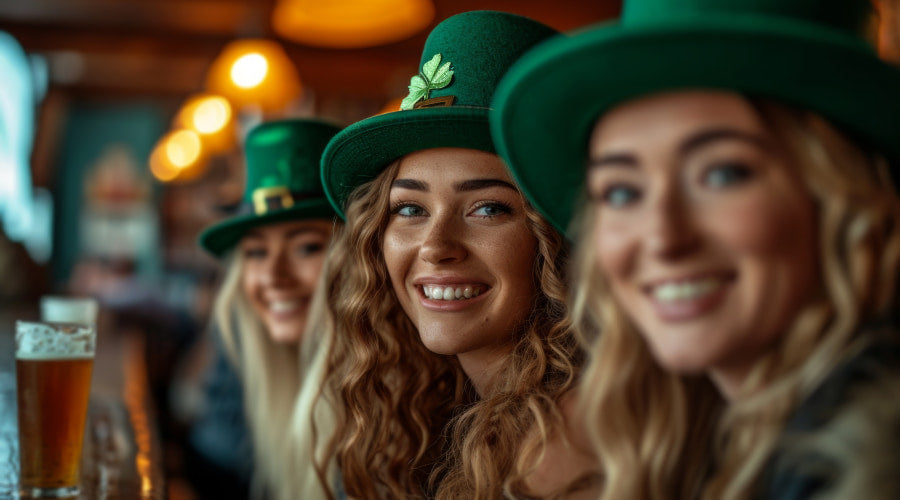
(806,53)
(282,180)
(464,58)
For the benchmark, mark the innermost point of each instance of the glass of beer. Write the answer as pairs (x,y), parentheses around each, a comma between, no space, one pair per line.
(53,381)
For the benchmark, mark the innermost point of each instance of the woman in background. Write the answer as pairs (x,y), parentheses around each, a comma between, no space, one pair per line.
(274,251)
(738,241)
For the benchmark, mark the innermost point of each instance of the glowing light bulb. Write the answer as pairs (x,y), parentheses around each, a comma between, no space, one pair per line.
(183,148)
(160,167)
(249,70)
(211,115)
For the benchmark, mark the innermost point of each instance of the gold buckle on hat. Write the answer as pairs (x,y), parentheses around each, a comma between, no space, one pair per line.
(269,199)
(436,102)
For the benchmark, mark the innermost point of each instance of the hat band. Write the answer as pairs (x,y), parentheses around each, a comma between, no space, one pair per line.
(436,102)
(275,198)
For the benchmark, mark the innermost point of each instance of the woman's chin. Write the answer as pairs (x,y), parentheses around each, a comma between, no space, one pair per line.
(286,333)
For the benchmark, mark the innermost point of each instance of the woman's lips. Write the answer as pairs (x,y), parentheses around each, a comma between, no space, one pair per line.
(687,299)
(477,293)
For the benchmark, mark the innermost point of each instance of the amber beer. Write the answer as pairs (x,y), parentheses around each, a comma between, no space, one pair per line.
(53,380)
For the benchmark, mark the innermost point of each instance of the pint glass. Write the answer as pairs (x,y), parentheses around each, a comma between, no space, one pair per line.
(66,309)
(53,380)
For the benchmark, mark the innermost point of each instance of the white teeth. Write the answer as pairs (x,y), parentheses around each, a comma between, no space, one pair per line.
(435,292)
(282,306)
(685,290)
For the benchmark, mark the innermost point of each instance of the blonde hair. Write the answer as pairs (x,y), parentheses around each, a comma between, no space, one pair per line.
(269,375)
(314,418)
(654,431)
(380,372)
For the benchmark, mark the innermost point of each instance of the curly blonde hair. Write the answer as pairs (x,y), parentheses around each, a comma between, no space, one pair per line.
(661,435)
(433,437)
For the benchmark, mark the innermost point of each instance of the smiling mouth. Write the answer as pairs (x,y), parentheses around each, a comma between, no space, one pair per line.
(285,306)
(678,291)
(436,292)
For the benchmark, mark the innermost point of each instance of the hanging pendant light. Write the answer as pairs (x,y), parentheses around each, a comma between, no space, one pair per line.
(350,23)
(255,72)
(211,116)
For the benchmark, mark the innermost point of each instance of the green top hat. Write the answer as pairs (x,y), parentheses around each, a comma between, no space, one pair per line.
(464,58)
(806,53)
(282,180)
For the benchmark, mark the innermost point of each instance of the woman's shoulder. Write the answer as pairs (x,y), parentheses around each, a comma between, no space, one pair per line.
(568,468)
(875,359)
(841,441)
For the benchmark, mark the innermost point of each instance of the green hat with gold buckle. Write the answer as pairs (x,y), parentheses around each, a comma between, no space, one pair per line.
(282,180)
(463,60)
(809,54)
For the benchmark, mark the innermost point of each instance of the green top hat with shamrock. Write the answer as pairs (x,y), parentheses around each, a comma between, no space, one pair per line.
(809,54)
(464,58)
(282,180)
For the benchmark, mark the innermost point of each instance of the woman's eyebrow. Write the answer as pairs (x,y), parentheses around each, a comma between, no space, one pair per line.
(476,184)
(711,135)
(612,160)
(691,144)
(410,184)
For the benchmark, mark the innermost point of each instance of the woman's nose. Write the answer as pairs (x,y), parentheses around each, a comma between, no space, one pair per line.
(673,230)
(276,270)
(443,241)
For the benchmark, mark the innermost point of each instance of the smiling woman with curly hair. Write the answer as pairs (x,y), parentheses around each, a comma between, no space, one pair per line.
(451,356)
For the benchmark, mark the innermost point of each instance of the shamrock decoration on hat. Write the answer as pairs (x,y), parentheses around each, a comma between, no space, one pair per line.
(433,76)
(464,58)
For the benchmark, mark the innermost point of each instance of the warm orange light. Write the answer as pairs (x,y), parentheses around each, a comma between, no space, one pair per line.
(350,23)
(210,116)
(160,166)
(888,30)
(205,113)
(183,148)
(249,70)
(178,156)
(255,72)
(391,106)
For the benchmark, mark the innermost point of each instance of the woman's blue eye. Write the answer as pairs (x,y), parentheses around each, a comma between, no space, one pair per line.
(409,211)
(726,175)
(619,196)
(492,210)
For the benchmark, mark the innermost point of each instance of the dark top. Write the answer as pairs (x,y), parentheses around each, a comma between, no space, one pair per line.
(220,435)
(798,472)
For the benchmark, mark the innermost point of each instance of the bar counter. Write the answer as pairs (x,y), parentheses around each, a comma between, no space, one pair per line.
(122,458)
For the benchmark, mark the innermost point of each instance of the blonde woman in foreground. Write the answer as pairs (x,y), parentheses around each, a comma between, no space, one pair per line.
(738,240)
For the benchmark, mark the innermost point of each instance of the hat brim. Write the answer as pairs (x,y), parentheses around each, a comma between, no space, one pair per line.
(221,237)
(547,105)
(360,152)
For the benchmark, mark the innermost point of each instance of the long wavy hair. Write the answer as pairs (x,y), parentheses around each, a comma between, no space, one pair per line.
(269,374)
(662,435)
(409,424)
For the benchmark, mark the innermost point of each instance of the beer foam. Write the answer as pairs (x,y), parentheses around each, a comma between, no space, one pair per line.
(46,340)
